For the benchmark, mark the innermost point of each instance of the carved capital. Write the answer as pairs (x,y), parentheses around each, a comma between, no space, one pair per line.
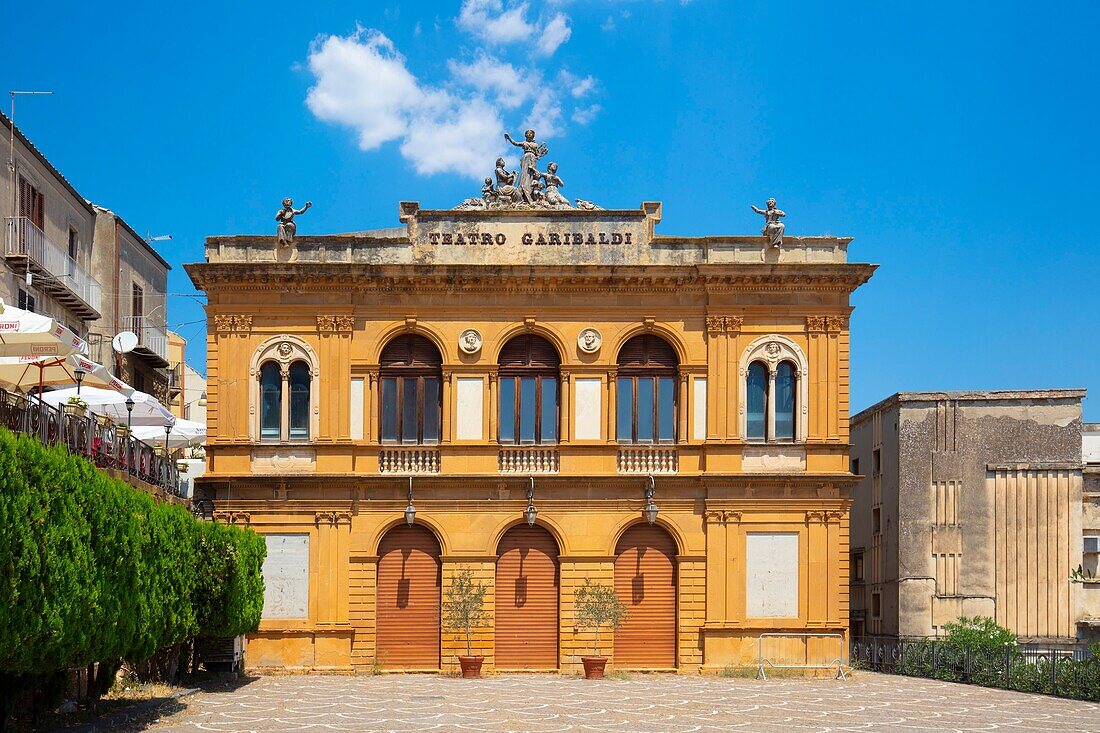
(345,324)
(834,324)
(712,516)
(242,324)
(326,324)
(233,517)
(223,324)
(817,516)
(834,517)
(724,324)
(333,519)
(815,324)
(722,516)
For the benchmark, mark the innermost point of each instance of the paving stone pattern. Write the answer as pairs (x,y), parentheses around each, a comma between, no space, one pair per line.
(666,703)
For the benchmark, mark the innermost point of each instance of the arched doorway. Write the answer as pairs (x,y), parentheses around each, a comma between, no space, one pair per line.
(645,580)
(527,591)
(408,599)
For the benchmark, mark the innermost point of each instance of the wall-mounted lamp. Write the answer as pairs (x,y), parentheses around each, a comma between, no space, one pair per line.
(531,513)
(410,510)
(650,510)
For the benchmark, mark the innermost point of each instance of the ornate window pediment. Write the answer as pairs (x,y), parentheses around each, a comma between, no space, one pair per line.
(773,399)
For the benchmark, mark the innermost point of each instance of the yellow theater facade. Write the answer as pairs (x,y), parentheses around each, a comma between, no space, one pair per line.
(505,390)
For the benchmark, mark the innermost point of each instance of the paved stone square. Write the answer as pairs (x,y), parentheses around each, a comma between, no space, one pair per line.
(667,703)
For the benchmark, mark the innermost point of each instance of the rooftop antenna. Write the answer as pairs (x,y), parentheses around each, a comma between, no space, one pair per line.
(11,144)
(160,238)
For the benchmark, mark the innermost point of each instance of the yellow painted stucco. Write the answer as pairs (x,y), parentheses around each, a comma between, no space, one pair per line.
(341,312)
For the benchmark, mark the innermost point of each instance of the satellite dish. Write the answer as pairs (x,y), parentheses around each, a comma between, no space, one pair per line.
(124,342)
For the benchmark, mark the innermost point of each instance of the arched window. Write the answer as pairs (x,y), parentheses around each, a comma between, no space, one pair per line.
(529,392)
(271,402)
(772,405)
(756,422)
(299,401)
(785,389)
(646,391)
(411,371)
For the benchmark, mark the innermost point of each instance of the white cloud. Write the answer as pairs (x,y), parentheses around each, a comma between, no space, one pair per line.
(489,21)
(608,25)
(544,117)
(363,83)
(585,115)
(581,87)
(554,34)
(453,122)
(510,86)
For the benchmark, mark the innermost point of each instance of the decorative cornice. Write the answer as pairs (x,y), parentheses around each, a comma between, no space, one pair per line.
(305,277)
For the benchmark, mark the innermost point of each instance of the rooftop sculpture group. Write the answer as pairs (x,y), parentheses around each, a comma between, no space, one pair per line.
(527,188)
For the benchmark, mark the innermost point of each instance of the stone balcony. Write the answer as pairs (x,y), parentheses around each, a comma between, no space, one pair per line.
(532,460)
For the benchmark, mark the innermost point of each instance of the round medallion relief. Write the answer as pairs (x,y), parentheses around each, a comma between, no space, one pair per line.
(469,341)
(589,341)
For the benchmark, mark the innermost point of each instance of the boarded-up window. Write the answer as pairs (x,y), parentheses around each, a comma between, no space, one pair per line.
(286,576)
(771,575)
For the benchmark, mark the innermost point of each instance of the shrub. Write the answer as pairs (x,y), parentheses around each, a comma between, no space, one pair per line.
(92,569)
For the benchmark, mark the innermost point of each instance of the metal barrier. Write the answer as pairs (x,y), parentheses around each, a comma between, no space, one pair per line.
(811,659)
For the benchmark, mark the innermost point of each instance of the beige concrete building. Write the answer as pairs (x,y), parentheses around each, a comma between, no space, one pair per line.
(47,238)
(1088,587)
(135,287)
(969,504)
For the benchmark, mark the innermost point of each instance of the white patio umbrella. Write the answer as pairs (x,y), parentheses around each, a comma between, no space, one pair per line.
(27,372)
(23,333)
(185,433)
(147,409)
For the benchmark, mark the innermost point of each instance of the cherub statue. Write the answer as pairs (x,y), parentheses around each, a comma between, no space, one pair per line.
(552,181)
(285,217)
(773,228)
(528,164)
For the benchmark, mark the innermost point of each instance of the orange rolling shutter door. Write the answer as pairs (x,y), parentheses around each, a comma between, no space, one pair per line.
(527,600)
(408,599)
(645,580)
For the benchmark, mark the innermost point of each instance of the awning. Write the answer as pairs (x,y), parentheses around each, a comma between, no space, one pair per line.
(147,409)
(27,372)
(23,333)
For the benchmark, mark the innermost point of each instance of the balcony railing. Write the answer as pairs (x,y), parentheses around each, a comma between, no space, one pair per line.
(84,435)
(151,336)
(410,460)
(648,459)
(58,273)
(528,460)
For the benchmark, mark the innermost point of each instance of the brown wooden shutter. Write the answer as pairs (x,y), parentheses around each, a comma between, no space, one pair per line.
(645,580)
(648,352)
(408,599)
(527,599)
(529,351)
(410,350)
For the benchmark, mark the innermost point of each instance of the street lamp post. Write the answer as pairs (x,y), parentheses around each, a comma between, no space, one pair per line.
(78,374)
(530,514)
(650,510)
(410,510)
(129,434)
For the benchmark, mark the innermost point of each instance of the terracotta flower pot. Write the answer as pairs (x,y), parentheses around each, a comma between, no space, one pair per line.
(593,667)
(471,666)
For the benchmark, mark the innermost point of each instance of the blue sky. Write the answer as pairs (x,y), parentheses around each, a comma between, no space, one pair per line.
(957,142)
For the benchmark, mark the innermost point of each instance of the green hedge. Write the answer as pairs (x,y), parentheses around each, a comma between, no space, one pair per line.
(93,569)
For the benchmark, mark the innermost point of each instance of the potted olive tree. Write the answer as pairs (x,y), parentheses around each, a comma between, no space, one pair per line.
(463,611)
(598,606)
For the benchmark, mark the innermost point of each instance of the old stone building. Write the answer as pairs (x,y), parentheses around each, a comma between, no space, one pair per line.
(48,231)
(499,389)
(1088,581)
(970,504)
